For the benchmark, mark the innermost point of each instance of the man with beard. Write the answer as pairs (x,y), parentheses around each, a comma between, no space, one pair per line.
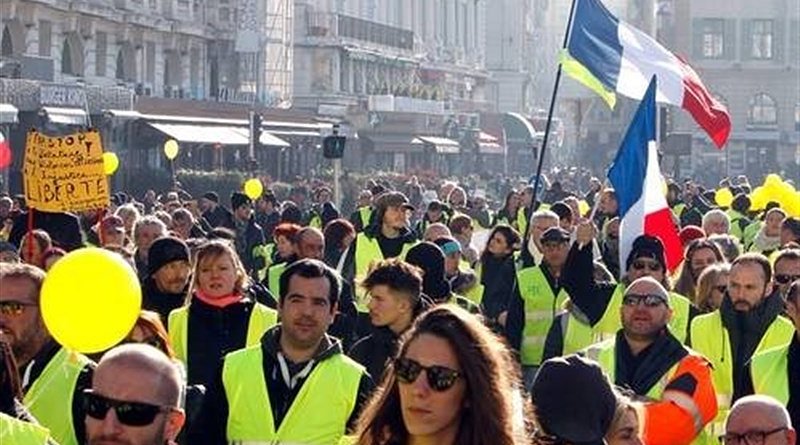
(645,357)
(787,270)
(168,276)
(147,229)
(53,379)
(296,385)
(747,323)
(144,388)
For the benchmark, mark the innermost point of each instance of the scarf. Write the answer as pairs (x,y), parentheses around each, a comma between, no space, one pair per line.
(764,243)
(220,302)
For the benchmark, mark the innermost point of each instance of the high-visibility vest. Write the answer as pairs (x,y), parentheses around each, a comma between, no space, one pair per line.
(576,334)
(611,321)
(368,252)
(17,432)
(264,251)
(710,338)
(750,233)
(770,373)
(318,415)
(734,218)
(49,398)
(541,307)
(522,222)
(678,209)
(274,277)
(365,213)
(262,318)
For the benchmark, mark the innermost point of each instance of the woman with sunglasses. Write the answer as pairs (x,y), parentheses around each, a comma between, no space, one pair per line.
(711,287)
(453,382)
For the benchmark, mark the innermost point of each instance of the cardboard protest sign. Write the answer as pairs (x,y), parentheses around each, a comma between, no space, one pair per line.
(65,173)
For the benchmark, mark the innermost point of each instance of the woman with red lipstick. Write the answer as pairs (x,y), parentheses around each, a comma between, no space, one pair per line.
(453,382)
(220,317)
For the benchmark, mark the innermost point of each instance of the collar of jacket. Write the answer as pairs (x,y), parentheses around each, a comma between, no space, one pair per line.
(328,347)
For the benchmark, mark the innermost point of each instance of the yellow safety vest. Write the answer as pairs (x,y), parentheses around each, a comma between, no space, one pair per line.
(17,432)
(368,252)
(576,335)
(262,318)
(770,371)
(49,398)
(710,338)
(264,251)
(274,273)
(678,209)
(734,218)
(541,307)
(318,415)
(611,321)
(365,213)
(522,222)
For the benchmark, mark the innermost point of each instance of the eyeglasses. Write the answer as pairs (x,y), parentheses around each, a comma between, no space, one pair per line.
(721,288)
(14,308)
(786,278)
(641,265)
(128,413)
(649,300)
(440,378)
(750,437)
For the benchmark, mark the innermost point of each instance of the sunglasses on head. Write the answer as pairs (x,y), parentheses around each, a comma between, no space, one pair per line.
(649,300)
(641,265)
(440,378)
(128,413)
(786,278)
(13,307)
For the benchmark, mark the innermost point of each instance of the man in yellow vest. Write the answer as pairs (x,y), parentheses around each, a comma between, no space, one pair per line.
(296,386)
(536,300)
(53,379)
(645,357)
(360,218)
(787,269)
(144,388)
(759,420)
(748,322)
(776,372)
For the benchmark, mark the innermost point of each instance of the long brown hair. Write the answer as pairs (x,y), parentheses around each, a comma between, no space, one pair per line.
(150,322)
(492,381)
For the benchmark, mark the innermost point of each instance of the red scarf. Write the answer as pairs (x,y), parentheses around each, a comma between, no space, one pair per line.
(220,302)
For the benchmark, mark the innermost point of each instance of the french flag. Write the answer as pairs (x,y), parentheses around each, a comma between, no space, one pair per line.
(5,152)
(636,178)
(611,57)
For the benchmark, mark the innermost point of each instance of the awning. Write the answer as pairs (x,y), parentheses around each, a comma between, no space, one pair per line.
(441,145)
(519,129)
(489,145)
(202,134)
(8,114)
(66,116)
(266,139)
(390,143)
(124,114)
(289,133)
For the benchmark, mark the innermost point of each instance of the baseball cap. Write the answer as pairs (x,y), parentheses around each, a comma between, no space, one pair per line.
(448,245)
(555,235)
(393,199)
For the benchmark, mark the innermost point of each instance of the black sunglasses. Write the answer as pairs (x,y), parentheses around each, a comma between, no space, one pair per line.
(12,307)
(128,413)
(640,265)
(750,437)
(649,300)
(786,278)
(440,378)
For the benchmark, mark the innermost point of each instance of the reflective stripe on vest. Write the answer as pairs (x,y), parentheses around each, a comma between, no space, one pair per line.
(710,338)
(368,252)
(262,318)
(17,432)
(541,306)
(318,415)
(770,371)
(611,321)
(49,398)
(576,334)
(274,279)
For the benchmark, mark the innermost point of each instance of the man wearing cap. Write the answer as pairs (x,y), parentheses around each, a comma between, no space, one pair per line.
(167,282)
(214,214)
(388,237)
(463,280)
(249,236)
(601,301)
(574,402)
(434,214)
(537,298)
(646,358)
(748,322)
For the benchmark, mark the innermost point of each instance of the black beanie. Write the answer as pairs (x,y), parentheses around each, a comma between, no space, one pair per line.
(164,251)
(430,258)
(211,196)
(239,199)
(648,247)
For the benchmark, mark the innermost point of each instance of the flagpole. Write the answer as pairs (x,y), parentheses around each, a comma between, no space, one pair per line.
(545,138)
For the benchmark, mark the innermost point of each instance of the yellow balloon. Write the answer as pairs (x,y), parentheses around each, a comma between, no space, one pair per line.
(772,180)
(171,149)
(253,188)
(90,300)
(583,207)
(110,163)
(758,199)
(723,197)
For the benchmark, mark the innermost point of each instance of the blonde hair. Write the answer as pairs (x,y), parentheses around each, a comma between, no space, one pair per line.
(705,285)
(213,250)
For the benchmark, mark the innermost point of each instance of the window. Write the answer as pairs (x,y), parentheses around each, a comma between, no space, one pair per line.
(762,39)
(100,54)
(762,110)
(45,36)
(150,62)
(7,47)
(713,38)
(66,58)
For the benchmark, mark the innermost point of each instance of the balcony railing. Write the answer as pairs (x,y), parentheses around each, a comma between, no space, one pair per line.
(338,25)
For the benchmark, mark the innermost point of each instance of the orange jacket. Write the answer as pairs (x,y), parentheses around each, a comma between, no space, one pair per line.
(687,404)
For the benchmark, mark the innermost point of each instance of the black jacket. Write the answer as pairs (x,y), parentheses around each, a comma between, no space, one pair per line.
(499,278)
(577,277)
(64,228)
(213,420)
(375,351)
(248,237)
(163,303)
(219,217)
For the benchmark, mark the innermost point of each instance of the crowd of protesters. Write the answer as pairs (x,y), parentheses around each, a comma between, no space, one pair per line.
(436,313)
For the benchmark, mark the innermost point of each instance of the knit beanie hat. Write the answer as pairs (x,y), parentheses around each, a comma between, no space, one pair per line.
(430,258)
(164,251)
(646,246)
(239,199)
